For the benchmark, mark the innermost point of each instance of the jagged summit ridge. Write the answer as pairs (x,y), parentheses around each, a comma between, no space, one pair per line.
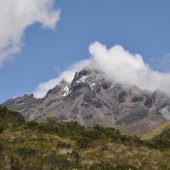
(92,99)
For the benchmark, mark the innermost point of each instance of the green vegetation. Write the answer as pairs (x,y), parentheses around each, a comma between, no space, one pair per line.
(156,131)
(162,141)
(70,146)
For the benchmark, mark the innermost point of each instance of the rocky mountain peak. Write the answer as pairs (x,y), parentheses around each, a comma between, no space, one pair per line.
(91,99)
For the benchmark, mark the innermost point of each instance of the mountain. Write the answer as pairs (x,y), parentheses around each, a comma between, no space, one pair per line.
(92,99)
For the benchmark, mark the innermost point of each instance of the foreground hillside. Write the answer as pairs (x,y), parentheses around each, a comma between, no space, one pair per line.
(68,146)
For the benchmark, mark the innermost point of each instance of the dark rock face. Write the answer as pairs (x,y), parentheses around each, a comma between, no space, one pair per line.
(137,99)
(92,100)
(133,117)
(149,101)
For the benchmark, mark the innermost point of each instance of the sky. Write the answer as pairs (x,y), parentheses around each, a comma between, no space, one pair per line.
(58,36)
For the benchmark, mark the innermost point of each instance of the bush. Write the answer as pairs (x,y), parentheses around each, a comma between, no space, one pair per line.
(7,115)
(103,166)
(63,145)
(58,161)
(27,151)
(83,142)
(2,127)
(161,141)
(15,163)
(76,157)
(31,124)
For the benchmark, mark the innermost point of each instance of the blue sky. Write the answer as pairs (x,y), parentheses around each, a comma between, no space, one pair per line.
(139,26)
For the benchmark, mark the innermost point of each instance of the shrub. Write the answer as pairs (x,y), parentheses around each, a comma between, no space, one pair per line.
(83,142)
(27,151)
(76,156)
(63,145)
(161,141)
(7,115)
(58,161)
(103,166)
(2,127)
(31,124)
(15,163)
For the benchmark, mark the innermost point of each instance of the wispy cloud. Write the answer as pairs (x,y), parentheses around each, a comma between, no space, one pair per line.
(66,75)
(16,16)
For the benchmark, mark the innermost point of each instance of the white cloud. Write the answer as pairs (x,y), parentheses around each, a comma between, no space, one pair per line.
(121,66)
(16,16)
(67,75)
(118,65)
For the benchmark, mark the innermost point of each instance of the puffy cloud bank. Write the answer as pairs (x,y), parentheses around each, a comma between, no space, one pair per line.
(16,16)
(118,65)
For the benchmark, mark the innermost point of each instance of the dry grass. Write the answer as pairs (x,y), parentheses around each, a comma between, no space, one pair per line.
(68,146)
(156,131)
(101,151)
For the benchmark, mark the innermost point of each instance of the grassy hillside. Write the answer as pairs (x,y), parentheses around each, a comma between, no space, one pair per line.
(156,131)
(69,146)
